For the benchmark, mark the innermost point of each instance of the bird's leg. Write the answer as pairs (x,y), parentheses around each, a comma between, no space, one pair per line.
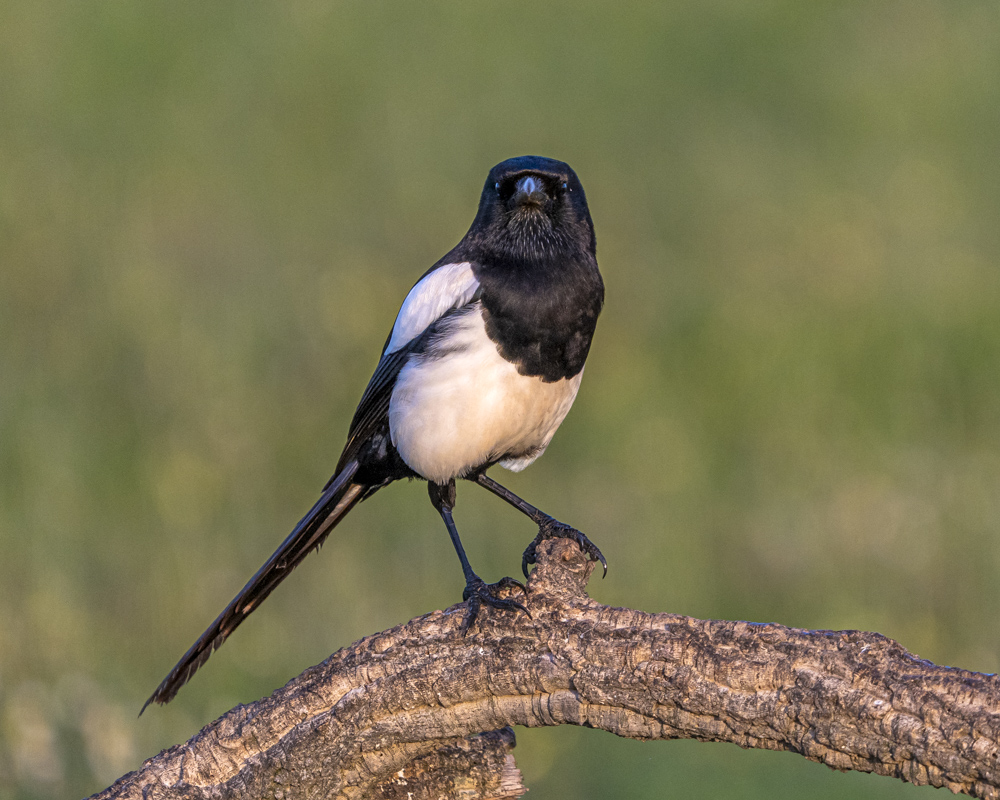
(477,591)
(548,527)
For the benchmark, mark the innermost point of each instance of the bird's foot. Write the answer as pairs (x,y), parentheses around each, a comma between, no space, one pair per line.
(479,593)
(549,528)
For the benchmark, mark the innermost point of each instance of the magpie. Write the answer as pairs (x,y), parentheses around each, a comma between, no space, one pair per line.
(482,364)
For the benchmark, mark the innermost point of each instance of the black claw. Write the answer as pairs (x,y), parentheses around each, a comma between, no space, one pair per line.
(550,528)
(478,593)
(509,583)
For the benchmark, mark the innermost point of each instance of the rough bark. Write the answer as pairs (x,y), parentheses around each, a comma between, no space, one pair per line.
(397,714)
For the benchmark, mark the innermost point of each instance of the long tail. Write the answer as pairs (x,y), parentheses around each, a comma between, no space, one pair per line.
(339,497)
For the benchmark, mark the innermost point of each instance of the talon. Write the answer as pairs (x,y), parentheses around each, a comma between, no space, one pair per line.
(470,616)
(507,583)
(478,592)
(525,560)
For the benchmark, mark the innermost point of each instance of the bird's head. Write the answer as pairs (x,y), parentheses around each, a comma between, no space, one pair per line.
(533,208)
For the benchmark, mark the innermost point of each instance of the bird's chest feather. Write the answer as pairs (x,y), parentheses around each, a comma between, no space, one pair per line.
(460,405)
(542,316)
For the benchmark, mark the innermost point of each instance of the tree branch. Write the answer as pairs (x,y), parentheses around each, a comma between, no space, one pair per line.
(397,713)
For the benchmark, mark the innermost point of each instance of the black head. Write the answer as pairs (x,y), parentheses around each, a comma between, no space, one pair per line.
(533,208)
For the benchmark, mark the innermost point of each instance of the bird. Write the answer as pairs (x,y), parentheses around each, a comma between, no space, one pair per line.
(481,366)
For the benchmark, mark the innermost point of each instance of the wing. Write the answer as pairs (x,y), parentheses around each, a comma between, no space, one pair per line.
(440,291)
(437,292)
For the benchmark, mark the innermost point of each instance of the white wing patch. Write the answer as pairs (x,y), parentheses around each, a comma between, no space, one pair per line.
(449,286)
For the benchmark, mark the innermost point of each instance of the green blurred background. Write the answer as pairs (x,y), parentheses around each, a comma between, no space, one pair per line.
(209,214)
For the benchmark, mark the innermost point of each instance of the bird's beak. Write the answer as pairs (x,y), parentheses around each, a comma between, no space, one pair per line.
(530,191)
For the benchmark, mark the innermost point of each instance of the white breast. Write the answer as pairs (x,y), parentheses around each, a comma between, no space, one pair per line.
(462,405)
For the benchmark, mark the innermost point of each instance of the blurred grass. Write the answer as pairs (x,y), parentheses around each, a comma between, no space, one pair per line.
(209,215)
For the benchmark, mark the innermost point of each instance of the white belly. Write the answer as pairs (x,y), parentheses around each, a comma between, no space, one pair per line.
(462,405)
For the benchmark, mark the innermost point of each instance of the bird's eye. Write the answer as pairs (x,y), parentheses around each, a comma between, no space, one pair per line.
(497,186)
(566,186)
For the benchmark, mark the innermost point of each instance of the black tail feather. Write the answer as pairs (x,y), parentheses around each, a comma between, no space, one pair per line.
(339,497)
